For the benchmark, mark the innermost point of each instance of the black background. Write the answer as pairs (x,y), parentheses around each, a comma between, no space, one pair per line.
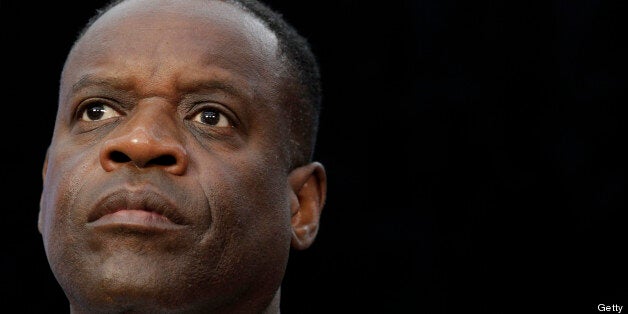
(475,153)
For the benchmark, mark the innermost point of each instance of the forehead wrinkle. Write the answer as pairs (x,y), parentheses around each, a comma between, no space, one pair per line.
(216,79)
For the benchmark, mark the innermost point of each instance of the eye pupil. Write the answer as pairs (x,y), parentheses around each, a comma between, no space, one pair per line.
(95,112)
(210,117)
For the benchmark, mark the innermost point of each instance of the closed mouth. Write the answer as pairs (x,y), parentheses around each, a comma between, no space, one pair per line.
(143,208)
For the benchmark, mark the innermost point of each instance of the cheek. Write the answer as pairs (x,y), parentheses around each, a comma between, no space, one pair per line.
(62,184)
(250,207)
(249,238)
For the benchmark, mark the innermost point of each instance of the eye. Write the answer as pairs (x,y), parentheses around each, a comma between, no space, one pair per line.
(212,117)
(98,111)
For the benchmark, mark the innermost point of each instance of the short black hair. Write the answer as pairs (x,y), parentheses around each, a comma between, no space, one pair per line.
(302,68)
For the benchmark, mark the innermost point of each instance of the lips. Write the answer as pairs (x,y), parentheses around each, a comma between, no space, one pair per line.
(138,208)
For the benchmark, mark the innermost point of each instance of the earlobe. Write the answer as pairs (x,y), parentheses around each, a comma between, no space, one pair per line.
(44,168)
(309,191)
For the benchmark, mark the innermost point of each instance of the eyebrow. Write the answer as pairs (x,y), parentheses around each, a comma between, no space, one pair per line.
(187,87)
(214,85)
(90,80)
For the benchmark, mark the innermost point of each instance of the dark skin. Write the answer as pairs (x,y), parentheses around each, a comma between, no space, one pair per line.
(168,184)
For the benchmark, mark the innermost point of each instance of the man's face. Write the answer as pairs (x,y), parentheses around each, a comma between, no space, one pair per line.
(166,180)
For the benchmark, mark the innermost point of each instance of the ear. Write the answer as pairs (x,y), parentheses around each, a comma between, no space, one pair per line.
(40,220)
(308,192)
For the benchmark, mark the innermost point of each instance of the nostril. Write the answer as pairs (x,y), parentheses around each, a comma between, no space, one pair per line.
(119,157)
(164,160)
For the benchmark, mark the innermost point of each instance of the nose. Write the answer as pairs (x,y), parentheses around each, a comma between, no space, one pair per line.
(148,139)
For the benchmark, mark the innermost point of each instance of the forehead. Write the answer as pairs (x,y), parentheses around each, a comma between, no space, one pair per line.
(198,21)
(157,36)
